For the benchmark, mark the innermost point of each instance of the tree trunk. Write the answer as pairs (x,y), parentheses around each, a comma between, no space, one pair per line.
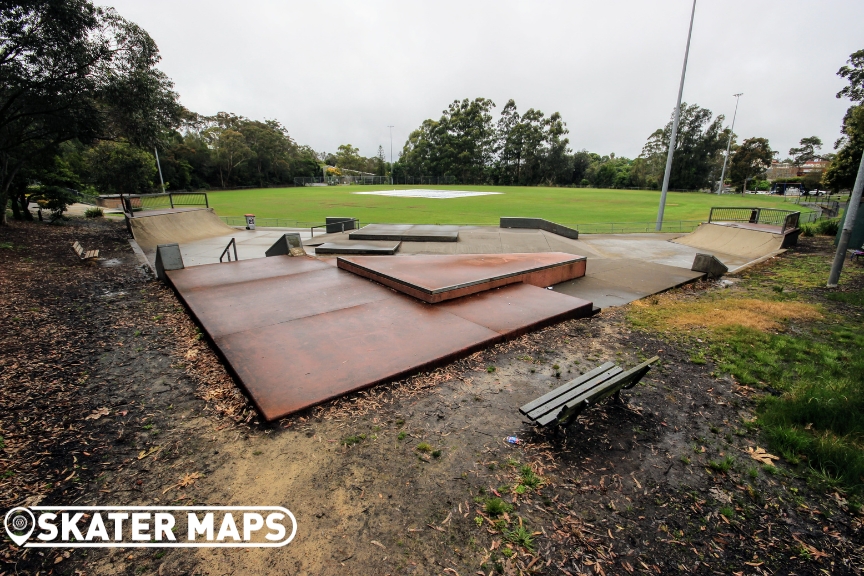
(5,182)
(25,209)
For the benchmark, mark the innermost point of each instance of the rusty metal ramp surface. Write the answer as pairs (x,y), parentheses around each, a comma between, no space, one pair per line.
(296,332)
(436,278)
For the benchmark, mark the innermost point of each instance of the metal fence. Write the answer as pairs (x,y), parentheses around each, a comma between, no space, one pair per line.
(374,180)
(785,219)
(584,228)
(341,180)
(269,222)
(137,202)
(634,227)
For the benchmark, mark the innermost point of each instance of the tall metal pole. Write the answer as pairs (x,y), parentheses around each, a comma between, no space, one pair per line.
(158,165)
(675,119)
(391,154)
(848,224)
(729,144)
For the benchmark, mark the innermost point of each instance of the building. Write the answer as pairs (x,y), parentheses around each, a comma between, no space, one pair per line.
(783,170)
(813,166)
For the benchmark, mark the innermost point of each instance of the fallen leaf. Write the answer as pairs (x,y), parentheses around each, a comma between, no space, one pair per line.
(144,453)
(760,455)
(97,414)
(188,479)
(376,543)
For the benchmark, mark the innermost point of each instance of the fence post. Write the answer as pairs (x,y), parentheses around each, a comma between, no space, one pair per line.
(171,199)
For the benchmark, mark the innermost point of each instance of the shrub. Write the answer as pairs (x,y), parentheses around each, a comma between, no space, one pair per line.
(828,226)
(94,212)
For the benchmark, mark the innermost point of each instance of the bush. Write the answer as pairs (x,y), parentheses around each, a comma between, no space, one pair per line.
(94,212)
(827,227)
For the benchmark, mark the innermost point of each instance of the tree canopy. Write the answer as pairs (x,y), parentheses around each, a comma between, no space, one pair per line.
(844,166)
(807,150)
(698,154)
(467,145)
(72,71)
(751,159)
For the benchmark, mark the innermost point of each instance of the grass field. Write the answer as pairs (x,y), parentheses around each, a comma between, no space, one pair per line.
(563,205)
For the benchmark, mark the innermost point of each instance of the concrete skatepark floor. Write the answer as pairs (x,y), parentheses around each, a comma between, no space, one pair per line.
(107,343)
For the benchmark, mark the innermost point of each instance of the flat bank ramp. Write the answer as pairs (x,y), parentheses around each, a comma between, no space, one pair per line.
(750,244)
(181,226)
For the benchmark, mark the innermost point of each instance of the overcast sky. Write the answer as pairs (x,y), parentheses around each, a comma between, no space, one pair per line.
(340,72)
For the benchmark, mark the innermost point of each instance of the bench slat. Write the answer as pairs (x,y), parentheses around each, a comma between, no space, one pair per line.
(573,393)
(626,379)
(565,388)
(84,254)
(580,390)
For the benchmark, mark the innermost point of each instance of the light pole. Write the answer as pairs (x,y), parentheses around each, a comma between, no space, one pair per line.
(729,144)
(848,224)
(391,154)
(158,165)
(675,118)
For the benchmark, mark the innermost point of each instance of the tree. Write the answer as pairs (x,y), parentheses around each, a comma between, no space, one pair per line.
(752,158)
(806,151)
(855,74)
(843,169)
(231,151)
(348,157)
(557,166)
(272,150)
(380,162)
(420,153)
(49,181)
(119,168)
(70,70)
(698,149)
(581,161)
(510,144)
(466,138)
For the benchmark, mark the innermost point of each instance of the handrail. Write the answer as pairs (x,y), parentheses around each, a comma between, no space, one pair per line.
(785,219)
(355,221)
(141,202)
(226,252)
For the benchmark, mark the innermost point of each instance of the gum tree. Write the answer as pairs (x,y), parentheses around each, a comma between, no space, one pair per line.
(72,71)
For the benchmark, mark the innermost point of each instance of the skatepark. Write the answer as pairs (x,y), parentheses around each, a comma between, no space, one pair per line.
(301,316)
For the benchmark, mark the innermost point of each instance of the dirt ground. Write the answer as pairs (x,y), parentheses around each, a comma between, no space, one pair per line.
(110,396)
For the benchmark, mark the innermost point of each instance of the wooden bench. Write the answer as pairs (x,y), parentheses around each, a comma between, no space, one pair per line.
(82,254)
(563,405)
